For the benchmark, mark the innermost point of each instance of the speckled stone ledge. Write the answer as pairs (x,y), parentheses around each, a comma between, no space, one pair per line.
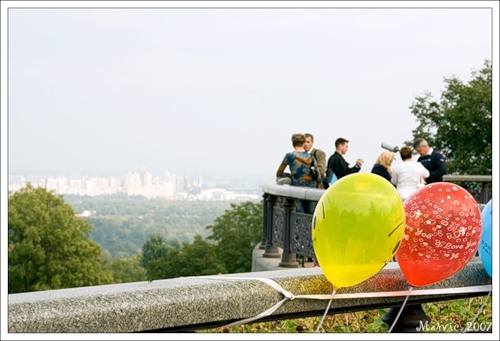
(188,301)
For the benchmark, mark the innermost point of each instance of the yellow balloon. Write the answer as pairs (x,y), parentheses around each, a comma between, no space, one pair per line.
(357,227)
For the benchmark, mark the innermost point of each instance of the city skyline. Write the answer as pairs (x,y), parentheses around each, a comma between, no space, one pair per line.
(132,183)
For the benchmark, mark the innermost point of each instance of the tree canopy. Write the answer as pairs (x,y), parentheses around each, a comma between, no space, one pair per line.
(237,232)
(459,125)
(123,224)
(49,247)
(169,260)
(227,250)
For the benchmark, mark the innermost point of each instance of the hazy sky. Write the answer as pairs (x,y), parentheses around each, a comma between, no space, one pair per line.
(221,90)
(207,90)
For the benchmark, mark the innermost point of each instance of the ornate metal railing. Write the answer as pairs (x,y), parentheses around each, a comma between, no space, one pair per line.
(290,230)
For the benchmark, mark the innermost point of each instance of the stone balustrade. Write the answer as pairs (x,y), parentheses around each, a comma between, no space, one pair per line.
(194,303)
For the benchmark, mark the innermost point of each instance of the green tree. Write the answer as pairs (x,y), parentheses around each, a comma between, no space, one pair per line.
(199,258)
(237,232)
(126,270)
(460,124)
(123,224)
(49,247)
(159,258)
(169,260)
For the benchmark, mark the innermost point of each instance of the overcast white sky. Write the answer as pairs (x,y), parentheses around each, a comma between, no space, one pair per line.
(207,90)
(221,90)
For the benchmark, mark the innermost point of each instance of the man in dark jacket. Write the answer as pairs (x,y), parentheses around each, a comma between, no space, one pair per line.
(338,164)
(430,159)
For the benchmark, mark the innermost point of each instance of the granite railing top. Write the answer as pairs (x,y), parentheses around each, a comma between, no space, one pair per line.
(314,194)
(187,303)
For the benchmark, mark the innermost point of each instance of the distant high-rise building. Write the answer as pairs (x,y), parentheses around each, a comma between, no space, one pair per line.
(168,187)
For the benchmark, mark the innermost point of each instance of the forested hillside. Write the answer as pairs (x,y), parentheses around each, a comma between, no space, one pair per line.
(123,224)
(54,244)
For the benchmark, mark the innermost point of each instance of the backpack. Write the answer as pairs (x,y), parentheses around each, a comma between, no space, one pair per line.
(315,173)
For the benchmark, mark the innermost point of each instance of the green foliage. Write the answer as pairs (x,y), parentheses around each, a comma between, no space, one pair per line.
(199,258)
(158,258)
(49,247)
(123,224)
(460,124)
(458,315)
(237,232)
(163,260)
(163,234)
(444,315)
(125,270)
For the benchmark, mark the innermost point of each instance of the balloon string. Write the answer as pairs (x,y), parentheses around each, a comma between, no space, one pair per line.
(290,296)
(326,311)
(400,310)
(479,312)
(263,314)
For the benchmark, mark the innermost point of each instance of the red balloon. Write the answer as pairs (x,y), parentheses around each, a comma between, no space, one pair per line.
(443,231)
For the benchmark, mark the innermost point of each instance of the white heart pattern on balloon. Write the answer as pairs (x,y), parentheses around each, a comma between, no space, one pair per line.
(442,234)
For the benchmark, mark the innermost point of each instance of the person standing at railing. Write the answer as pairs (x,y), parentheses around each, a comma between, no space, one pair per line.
(300,164)
(408,176)
(383,164)
(430,159)
(320,158)
(338,164)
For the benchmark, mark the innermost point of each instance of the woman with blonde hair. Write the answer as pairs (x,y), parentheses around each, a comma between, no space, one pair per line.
(383,164)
